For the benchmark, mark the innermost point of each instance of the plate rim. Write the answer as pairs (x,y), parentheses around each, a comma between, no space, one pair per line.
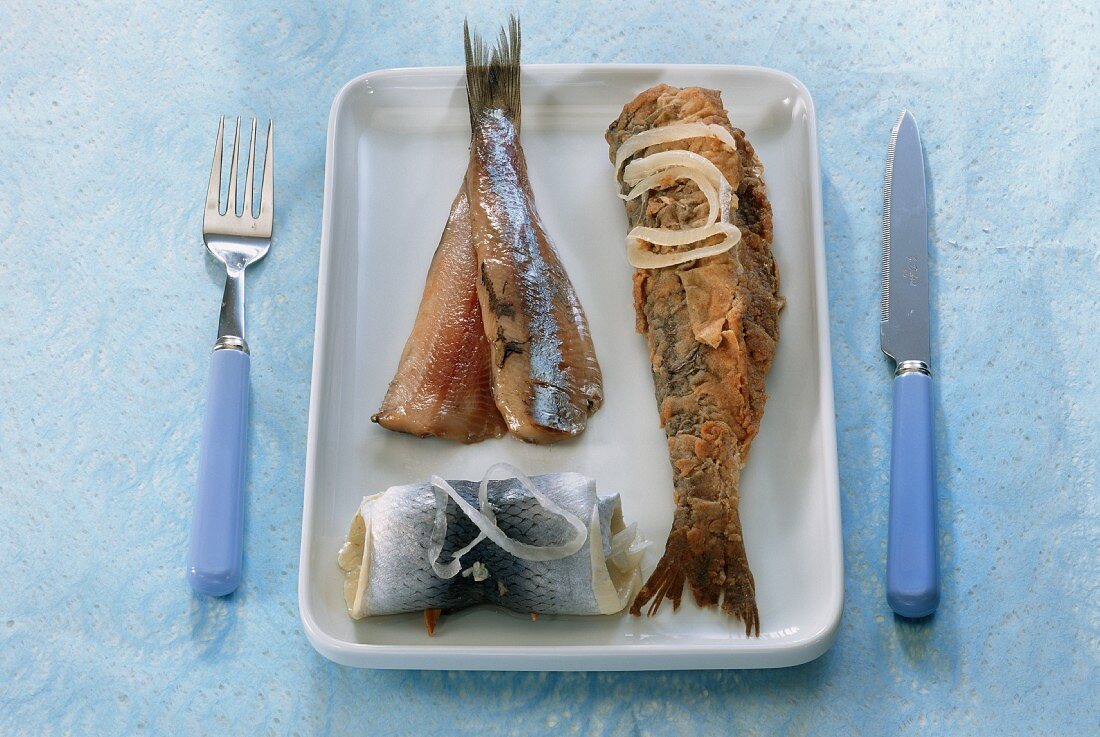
(793,651)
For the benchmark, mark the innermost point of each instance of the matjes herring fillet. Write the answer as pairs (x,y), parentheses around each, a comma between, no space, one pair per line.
(546,380)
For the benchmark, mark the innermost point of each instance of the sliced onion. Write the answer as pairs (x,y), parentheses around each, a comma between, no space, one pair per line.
(641,258)
(486,522)
(639,169)
(650,171)
(523,550)
(682,172)
(669,133)
(669,237)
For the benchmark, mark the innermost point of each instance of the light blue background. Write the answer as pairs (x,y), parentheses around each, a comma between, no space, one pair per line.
(107,313)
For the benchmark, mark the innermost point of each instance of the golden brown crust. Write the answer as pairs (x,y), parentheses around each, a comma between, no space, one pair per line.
(711,326)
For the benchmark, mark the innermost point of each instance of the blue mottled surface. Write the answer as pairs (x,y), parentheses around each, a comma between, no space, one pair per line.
(107,305)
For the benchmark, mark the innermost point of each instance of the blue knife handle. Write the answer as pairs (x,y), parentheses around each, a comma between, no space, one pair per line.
(217,525)
(912,550)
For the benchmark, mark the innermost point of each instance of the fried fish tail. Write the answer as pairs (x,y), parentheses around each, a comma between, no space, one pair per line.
(705,548)
(735,592)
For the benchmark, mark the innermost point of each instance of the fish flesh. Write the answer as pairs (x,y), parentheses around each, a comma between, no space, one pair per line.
(443,384)
(541,545)
(711,325)
(545,377)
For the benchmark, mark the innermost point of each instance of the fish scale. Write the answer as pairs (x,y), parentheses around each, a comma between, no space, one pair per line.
(399,575)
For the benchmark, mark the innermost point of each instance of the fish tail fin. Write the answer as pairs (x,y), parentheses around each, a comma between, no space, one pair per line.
(716,571)
(492,75)
(739,599)
(666,582)
(739,586)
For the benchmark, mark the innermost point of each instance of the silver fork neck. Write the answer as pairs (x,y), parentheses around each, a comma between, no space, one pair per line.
(235,253)
(231,320)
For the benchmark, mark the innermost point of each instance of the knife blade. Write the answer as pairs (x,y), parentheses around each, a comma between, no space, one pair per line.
(912,550)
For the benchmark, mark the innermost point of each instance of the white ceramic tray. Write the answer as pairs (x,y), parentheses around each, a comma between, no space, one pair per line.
(397,150)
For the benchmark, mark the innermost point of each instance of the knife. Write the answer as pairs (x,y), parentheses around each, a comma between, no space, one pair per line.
(912,549)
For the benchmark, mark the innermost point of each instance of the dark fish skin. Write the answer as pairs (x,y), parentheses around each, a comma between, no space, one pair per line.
(443,382)
(546,379)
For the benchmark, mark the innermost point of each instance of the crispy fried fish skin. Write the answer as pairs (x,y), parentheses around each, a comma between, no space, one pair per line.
(546,380)
(711,326)
(443,382)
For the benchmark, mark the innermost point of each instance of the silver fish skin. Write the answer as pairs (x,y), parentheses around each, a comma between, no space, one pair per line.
(545,377)
(388,560)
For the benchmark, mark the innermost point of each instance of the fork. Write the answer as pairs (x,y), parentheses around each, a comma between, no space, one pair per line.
(236,240)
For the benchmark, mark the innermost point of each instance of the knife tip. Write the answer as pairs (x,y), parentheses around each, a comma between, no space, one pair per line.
(905,120)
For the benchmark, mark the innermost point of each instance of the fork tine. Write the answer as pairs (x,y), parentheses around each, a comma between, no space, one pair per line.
(231,206)
(214,191)
(267,189)
(248,185)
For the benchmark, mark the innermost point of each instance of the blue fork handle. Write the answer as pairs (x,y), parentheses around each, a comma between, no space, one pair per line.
(217,525)
(912,550)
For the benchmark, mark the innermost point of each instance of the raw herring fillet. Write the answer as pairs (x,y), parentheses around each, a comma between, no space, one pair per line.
(442,386)
(546,380)
(711,326)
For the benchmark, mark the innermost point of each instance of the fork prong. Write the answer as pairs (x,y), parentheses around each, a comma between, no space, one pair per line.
(267,189)
(214,191)
(251,170)
(231,206)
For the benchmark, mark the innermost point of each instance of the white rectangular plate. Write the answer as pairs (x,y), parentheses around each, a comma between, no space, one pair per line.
(397,151)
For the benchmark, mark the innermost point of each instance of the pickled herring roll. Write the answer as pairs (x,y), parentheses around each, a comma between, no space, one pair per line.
(541,545)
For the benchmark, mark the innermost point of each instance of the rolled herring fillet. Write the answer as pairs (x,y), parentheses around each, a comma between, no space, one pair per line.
(544,545)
